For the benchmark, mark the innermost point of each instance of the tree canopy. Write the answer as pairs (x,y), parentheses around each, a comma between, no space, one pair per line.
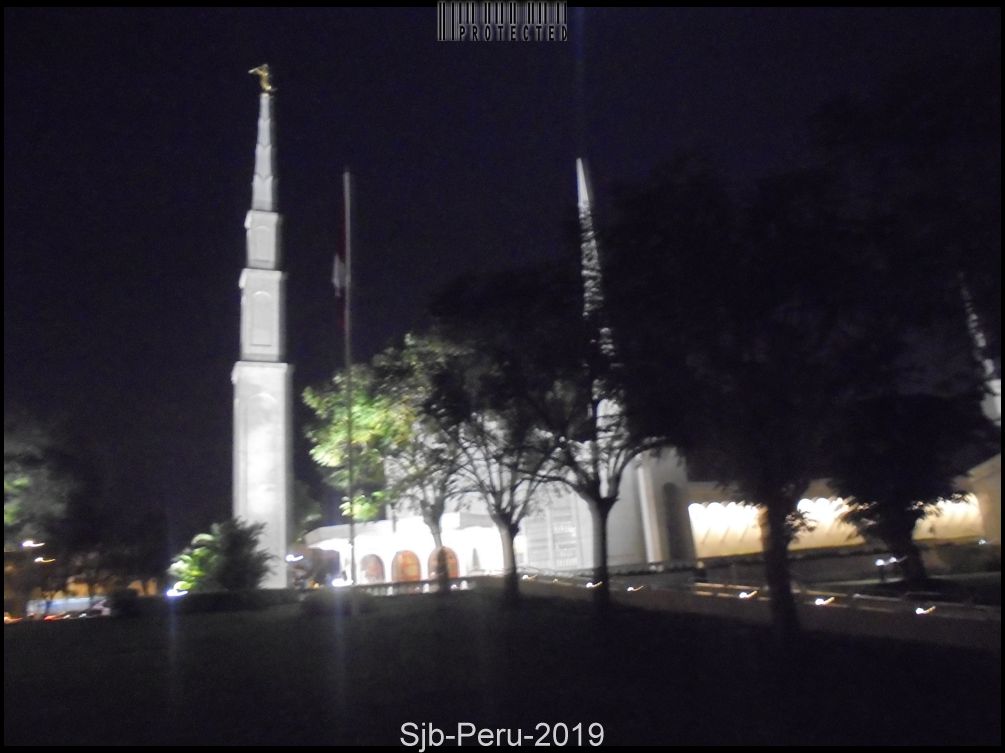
(896,456)
(380,424)
(42,480)
(750,326)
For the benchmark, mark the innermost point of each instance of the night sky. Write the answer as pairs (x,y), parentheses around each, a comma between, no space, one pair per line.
(128,154)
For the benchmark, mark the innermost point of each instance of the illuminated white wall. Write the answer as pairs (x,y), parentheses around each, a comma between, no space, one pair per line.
(985,483)
(661,516)
(728,528)
(473,539)
(559,536)
(954,521)
(724,528)
(661,487)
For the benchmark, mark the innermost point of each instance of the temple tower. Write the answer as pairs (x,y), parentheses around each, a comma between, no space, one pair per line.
(262,378)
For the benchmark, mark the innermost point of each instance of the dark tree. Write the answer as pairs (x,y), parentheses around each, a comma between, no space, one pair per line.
(500,452)
(922,156)
(423,470)
(306,512)
(551,365)
(744,328)
(897,455)
(42,479)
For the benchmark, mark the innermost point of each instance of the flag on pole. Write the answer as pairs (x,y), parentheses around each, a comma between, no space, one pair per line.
(341,269)
(339,272)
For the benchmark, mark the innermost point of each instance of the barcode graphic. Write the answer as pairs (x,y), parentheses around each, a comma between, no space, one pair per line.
(500,20)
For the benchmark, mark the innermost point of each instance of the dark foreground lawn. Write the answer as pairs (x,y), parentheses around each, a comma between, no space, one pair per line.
(277,677)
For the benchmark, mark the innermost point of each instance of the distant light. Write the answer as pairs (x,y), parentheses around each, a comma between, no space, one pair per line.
(822,602)
(880,562)
(591,584)
(982,542)
(294,557)
(747,594)
(633,589)
(529,577)
(174,592)
(919,610)
(32,544)
(44,561)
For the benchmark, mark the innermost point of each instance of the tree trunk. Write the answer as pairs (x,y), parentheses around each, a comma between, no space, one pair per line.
(442,573)
(909,557)
(775,541)
(511,588)
(602,591)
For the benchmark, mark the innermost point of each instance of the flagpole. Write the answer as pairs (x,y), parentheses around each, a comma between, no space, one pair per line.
(347,199)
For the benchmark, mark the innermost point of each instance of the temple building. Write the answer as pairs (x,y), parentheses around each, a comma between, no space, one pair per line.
(662,516)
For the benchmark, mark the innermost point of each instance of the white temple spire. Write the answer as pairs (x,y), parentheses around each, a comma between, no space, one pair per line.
(593,293)
(263,187)
(262,379)
(992,404)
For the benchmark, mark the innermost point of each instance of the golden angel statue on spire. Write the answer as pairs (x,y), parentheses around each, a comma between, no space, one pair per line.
(262,72)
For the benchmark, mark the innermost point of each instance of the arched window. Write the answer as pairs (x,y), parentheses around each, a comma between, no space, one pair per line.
(405,567)
(371,569)
(449,562)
